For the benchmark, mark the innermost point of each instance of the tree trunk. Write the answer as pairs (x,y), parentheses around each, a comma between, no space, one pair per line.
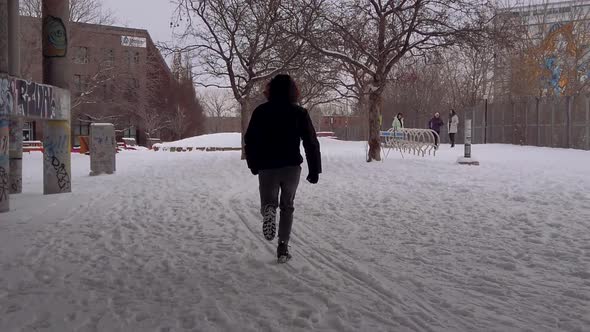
(245,113)
(375,103)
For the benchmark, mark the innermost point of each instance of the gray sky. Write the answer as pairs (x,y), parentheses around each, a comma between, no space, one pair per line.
(152,15)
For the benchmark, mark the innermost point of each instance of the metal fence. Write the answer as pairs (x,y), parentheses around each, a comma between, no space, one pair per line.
(550,122)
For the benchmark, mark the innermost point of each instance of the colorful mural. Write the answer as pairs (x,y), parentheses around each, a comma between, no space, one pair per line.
(562,61)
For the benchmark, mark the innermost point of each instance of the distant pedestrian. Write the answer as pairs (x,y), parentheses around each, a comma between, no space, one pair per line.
(436,124)
(272,145)
(398,122)
(453,126)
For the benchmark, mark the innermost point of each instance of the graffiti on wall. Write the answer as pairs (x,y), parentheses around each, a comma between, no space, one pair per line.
(60,171)
(6,96)
(562,64)
(4,190)
(103,148)
(42,101)
(4,187)
(33,100)
(55,38)
(56,150)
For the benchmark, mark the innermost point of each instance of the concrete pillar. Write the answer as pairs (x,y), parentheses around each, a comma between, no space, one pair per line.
(55,43)
(4,166)
(16,125)
(57,141)
(13,38)
(4,109)
(3,36)
(103,148)
(16,120)
(56,157)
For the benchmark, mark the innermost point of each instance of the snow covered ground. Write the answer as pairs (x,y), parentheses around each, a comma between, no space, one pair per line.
(222,140)
(173,242)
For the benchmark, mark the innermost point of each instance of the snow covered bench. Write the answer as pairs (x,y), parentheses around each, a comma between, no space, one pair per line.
(416,141)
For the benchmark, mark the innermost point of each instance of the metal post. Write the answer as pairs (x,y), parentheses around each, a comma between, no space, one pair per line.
(568,123)
(16,120)
(504,125)
(473,113)
(552,123)
(485,124)
(467,159)
(5,109)
(538,123)
(526,122)
(491,121)
(467,138)
(587,104)
(57,135)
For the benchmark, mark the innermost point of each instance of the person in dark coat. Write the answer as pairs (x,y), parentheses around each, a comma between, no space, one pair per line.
(435,124)
(272,146)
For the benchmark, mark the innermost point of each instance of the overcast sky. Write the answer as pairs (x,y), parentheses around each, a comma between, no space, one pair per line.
(155,15)
(152,15)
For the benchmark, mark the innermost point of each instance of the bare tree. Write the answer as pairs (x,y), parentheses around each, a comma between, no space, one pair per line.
(374,35)
(178,122)
(218,103)
(152,122)
(81,11)
(238,45)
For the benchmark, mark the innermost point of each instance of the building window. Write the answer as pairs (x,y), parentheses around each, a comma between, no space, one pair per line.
(77,82)
(130,132)
(127,55)
(81,83)
(81,55)
(133,83)
(136,58)
(109,56)
(81,128)
(106,92)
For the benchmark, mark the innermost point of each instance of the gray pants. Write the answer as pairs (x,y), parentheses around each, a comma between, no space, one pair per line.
(286,180)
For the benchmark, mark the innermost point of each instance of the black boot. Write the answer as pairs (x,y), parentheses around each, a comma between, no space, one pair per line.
(269,225)
(283,252)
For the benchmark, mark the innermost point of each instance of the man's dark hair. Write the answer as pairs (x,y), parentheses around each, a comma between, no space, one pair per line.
(283,89)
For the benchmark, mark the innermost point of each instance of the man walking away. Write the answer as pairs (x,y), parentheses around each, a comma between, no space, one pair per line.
(435,124)
(453,126)
(272,145)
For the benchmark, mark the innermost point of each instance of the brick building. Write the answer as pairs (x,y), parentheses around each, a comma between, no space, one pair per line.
(117,76)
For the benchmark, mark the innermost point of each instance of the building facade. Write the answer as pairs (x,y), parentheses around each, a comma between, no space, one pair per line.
(551,55)
(117,76)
